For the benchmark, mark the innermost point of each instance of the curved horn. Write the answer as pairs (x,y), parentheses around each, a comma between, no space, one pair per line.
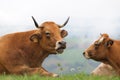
(101,39)
(36,24)
(60,26)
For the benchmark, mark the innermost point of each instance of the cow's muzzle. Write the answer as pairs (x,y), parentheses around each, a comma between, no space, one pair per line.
(60,46)
(87,55)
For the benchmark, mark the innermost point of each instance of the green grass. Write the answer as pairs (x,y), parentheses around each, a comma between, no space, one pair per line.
(81,76)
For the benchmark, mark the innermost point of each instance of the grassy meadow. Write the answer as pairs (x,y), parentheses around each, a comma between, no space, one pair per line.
(80,76)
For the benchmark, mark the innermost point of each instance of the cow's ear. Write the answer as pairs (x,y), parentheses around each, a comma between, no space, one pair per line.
(64,33)
(109,43)
(35,38)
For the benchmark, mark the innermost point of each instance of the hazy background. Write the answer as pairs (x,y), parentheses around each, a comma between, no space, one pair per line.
(88,18)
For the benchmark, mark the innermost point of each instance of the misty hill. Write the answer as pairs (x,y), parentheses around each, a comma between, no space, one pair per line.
(72,60)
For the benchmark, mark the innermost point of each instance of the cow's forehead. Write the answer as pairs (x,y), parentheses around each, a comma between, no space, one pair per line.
(101,38)
(49,23)
(50,26)
(105,35)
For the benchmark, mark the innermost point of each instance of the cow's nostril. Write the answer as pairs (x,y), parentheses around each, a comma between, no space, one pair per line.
(59,43)
(62,43)
(83,53)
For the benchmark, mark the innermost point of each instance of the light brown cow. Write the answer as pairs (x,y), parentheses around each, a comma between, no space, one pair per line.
(105,50)
(104,70)
(24,52)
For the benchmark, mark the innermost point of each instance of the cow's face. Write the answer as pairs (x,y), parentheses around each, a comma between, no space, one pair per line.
(50,37)
(99,49)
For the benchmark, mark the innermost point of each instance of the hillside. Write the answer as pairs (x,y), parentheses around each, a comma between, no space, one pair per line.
(72,60)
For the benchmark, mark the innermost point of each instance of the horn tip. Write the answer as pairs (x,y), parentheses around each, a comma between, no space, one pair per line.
(36,24)
(32,17)
(68,17)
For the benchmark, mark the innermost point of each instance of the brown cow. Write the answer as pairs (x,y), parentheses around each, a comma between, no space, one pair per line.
(105,50)
(24,52)
(104,70)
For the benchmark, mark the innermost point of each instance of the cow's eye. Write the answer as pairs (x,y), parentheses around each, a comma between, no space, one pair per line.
(47,34)
(96,45)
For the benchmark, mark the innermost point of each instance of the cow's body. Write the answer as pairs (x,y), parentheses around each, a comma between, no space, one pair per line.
(13,52)
(24,52)
(104,70)
(105,50)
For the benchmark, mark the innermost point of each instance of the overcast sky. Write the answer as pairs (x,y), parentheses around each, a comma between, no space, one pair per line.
(101,14)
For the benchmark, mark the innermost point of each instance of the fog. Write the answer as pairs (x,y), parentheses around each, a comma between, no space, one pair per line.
(99,16)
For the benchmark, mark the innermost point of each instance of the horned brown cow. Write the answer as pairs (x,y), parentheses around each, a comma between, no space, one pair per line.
(24,52)
(105,50)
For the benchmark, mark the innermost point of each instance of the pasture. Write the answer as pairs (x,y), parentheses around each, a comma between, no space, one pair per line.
(80,76)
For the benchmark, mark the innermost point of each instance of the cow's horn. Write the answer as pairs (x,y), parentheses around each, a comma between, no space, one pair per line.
(36,24)
(60,26)
(101,39)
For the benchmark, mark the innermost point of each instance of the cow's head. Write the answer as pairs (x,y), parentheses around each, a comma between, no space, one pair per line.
(99,49)
(50,37)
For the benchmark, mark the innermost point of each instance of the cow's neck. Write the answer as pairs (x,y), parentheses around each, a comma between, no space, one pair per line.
(114,56)
(34,56)
(115,65)
(44,54)
(37,59)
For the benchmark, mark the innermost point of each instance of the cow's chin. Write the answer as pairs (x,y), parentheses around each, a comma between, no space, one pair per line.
(59,51)
(86,56)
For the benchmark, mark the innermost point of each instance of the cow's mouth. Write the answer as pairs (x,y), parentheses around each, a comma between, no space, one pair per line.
(60,50)
(60,46)
(86,55)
